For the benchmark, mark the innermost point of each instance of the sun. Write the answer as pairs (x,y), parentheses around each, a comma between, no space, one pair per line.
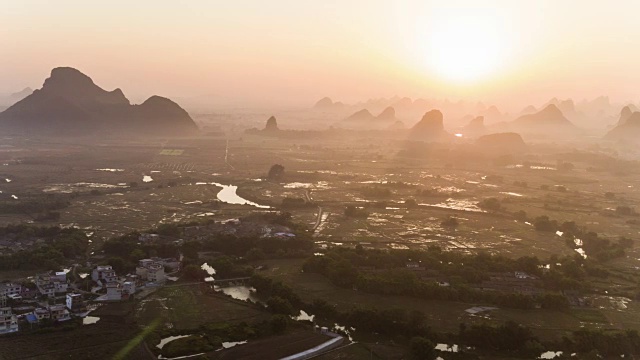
(465,48)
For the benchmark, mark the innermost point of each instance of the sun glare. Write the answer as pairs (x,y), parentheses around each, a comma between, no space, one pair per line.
(465,47)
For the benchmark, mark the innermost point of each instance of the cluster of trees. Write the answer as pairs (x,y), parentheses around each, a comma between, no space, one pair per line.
(412,326)
(492,204)
(123,252)
(434,193)
(376,191)
(342,267)
(296,203)
(354,212)
(606,343)
(35,205)
(281,299)
(450,222)
(575,237)
(624,210)
(349,268)
(276,172)
(61,245)
(508,337)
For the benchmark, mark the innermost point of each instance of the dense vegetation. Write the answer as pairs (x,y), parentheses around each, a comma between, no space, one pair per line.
(384,272)
(52,247)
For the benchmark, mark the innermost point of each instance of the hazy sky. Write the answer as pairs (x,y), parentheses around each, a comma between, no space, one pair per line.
(294,52)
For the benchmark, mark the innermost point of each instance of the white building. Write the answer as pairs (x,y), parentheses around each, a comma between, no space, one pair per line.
(49,285)
(150,270)
(74,302)
(9,289)
(8,321)
(114,291)
(104,273)
(59,276)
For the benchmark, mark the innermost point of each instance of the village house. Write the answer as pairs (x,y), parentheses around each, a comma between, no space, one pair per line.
(8,321)
(10,290)
(75,302)
(128,288)
(114,291)
(150,270)
(52,312)
(41,314)
(49,285)
(104,273)
(58,313)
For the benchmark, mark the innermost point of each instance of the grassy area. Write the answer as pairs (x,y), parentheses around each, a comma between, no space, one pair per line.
(589,316)
(353,351)
(187,307)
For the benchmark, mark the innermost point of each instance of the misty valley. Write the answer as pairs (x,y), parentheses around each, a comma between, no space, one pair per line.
(390,229)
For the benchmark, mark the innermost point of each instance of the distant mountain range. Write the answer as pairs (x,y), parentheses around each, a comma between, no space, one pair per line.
(70,103)
(628,128)
(597,113)
(364,120)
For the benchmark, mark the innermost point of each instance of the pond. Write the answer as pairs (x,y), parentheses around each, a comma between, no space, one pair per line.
(231,344)
(303,317)
(169,339)
(228,195)
(239,292)
(550,355)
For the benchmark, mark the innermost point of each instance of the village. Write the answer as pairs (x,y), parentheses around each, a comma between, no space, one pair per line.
(54,297)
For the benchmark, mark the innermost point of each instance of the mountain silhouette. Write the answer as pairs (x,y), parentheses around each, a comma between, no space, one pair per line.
(429,128)
(625,114)
(272,124)
(628,130)
(475,127)
(69,102)
(325,102)
(550,118)
(17,96)
(363,119)
(502,142)
(388,114)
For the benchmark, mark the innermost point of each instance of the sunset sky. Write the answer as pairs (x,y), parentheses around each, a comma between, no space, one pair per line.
(276,52)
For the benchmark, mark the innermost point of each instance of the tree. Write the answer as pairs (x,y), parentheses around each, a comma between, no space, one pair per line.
(543,223)
(276,172)
(255,254)
(410,203)
(193,272)
(118,264)
(555,302)
(520,215)
(278,305)
(278,323)
(422,349)
(490,204)
(451,222)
